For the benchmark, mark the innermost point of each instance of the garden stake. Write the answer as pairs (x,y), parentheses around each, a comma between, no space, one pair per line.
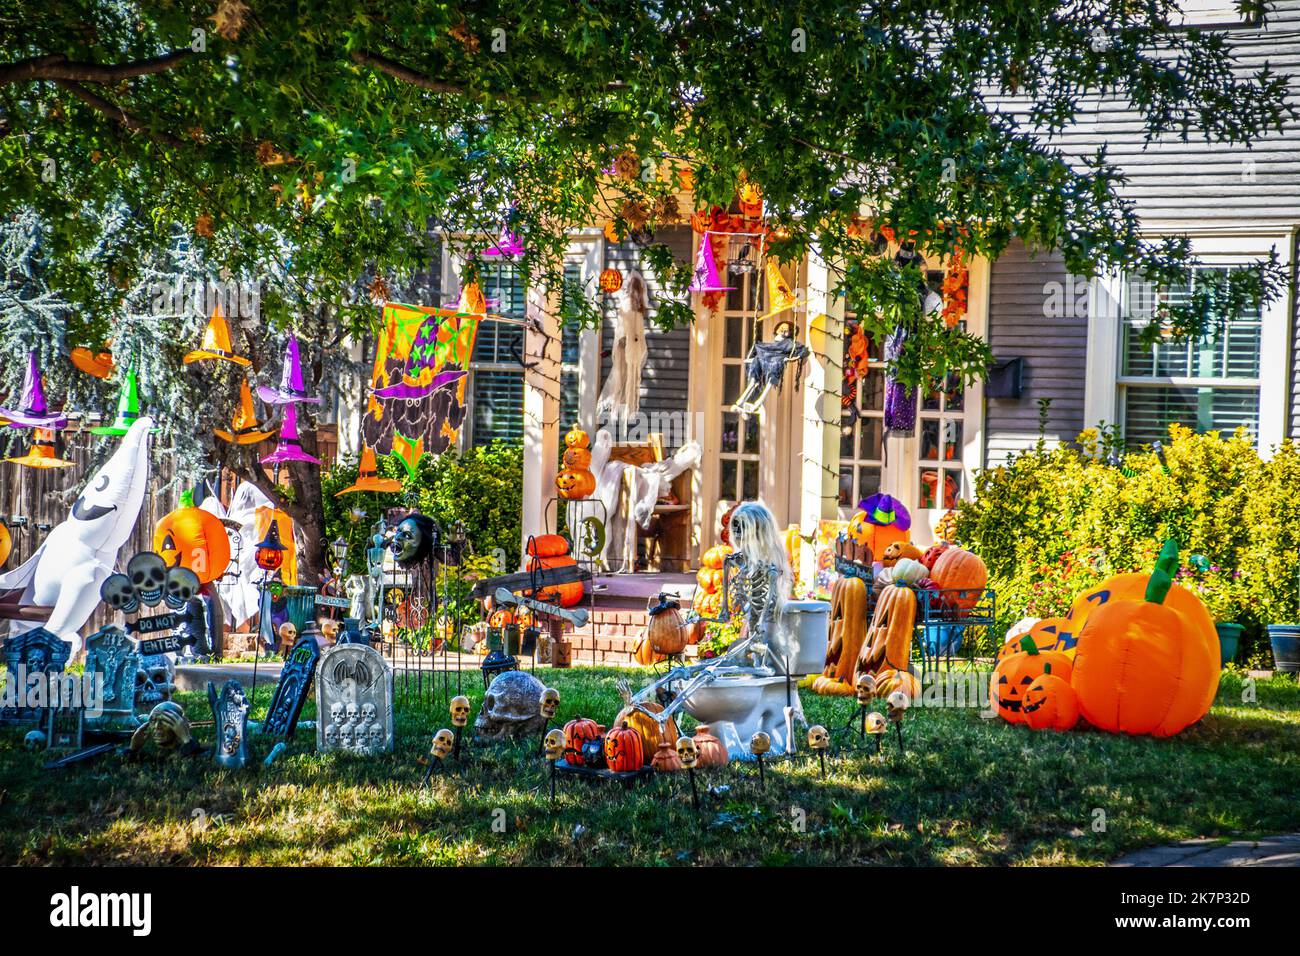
(759,745)
(553,749)
(819,740)
(695,793)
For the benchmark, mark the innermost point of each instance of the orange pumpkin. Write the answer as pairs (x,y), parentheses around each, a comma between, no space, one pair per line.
(6,545)
(714,557)
(933,553)
(575,485)
(577,459)
(963,574)
(1147,663)
(575,437)
(644,653)
(1045,634)
(578,732)
(899,550)
(665,632)
(547,545)
(665,758)
(793,546)
(640,717)
(623,750)
(848,630)
(565,595)
(888,644)
(708,579)
(712,751)
(1015,672)
(1050,704)
(888,681)
(875,537)
(195,539)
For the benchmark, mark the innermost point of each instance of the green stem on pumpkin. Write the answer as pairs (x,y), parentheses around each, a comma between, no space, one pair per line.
(1027,645)
(1162,578)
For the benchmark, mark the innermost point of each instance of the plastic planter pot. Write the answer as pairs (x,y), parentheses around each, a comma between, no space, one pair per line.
(1285,639)
(1229,635)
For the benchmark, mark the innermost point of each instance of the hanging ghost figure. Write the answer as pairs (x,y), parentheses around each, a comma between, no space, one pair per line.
(68,568)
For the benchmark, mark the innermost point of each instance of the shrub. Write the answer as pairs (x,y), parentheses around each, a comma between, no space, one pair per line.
(1055,521)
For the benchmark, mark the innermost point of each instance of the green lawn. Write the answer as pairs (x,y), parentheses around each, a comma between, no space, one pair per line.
(969,791)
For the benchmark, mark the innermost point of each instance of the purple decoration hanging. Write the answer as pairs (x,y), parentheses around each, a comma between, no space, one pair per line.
(900,401)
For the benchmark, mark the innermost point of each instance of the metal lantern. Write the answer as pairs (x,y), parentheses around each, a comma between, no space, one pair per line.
(611,280)
(270,552)
(340,548)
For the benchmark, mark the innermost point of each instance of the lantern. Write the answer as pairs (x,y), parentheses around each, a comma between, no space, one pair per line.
(611,280)
(270,552)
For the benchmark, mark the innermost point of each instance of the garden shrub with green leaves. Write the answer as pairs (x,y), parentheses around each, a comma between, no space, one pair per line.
(1054,521)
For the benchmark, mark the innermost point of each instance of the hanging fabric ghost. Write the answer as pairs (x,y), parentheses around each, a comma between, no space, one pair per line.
(622,390)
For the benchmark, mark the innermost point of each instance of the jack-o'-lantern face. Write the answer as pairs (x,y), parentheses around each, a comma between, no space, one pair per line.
(575,438)
(1050,704)
(899,550)
(860,530)
(1016,672)
(195,539)
(566,482)
(577,458)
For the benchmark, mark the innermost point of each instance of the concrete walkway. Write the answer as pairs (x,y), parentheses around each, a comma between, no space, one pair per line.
(1283,850)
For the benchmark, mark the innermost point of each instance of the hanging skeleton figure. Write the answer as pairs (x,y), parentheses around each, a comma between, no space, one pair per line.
(765,367)
(622,391)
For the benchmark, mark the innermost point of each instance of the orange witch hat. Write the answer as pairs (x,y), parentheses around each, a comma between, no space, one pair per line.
(368,476)
(98,364)
(216,342)
(42,453)
(244,429)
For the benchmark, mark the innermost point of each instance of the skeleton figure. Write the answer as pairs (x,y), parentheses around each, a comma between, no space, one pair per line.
(154,681)
(511,708)
(148,574)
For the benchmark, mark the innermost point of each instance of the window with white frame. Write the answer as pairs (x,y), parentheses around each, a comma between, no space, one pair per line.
(496,379)
(738,474)
(862,420)
(1211,384)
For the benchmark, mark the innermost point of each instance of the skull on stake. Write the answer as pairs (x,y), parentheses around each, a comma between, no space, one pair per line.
(818,738)
(554,744)
(460,711)
(687,752)
(550,702)
(148,574)
(443,741)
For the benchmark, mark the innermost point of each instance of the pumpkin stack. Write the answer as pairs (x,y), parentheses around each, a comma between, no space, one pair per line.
(708,595)
(576,480)
(552,551)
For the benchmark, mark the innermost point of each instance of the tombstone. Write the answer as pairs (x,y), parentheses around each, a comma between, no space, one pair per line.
(65,730)
(230,711)
(354,701)
(291,692)
(33,652)
(112,656)
(155,681)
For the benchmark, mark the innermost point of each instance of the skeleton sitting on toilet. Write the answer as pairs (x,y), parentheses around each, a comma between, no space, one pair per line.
(752,688)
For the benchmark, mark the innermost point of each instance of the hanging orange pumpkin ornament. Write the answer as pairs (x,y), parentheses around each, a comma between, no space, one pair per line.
(750,200)
(190,537)
(576,480)
(611,280)
(1147,661)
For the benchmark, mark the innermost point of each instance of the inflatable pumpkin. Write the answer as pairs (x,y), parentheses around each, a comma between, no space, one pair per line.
(962,573)
(1016,672)
(1050,704)
(192,538)
(1045,634)
(877,537)
(1147,658)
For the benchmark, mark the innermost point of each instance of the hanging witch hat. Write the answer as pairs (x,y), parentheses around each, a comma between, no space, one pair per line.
(368,476)
(96,364)
(779,296)
(507,245)
(244,427)
(43,453)
(216,342)
(706,270)
(32,411)
(291,388)
(289,448)
(128,408)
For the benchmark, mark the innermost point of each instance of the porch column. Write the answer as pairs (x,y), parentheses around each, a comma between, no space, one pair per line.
(819,485)
(541,408)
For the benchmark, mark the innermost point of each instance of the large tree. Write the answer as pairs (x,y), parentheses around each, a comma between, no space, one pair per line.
(316,142)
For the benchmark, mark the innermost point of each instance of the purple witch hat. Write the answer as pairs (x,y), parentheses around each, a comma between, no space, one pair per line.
(289,448)
(883,509)
(507,244)
(706,270)
(291,388)
(420,378)
(32,411)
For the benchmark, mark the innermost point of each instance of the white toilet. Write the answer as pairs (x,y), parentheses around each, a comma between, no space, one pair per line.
(741,701)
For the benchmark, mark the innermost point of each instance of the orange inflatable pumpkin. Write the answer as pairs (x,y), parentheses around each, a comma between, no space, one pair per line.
(1046,635)
(6,545)
(1050,704)
(963,574)
(195,539)
(1016,672)
(1147,658)
(877,537)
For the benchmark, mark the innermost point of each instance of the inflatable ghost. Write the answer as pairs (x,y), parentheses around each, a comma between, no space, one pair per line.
(72,562)
(252,511)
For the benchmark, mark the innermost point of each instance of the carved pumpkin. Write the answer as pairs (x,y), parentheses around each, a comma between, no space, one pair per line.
(577,459)
(962,573)
(1147,662)
(902,549)
(848,629)
(575,437)
(623,750)
(1015,672)
(876,537)
(888,644)
(577,732)
(195,539)
(665,631)
(712,751)
(1050,704)
(565,595)
(640,717)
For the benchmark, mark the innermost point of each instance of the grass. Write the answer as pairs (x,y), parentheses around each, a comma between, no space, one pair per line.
(969,791)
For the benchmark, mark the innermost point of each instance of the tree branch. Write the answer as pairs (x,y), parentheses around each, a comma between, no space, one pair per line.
(404,73)
(56,66)
(117,114)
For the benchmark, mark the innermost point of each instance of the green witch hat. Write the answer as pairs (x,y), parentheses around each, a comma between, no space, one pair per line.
(128,408)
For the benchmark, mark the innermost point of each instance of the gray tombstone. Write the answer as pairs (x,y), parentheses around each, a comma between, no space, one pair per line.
(33,652)
(230,711)
(113,662)
(291,692)
(354,701)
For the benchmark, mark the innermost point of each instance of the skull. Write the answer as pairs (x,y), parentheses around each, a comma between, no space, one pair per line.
(336,713)
(331,737)
(368,712)
(118,593)
(329,629)
(354,714)
(687,752)
(460,711)
(153,680)
(897,702)
(347,737)
(875,722)
(550,702)
(865,688)
(148,574)
(168,725)
(182,584)
(510,708)
(35,740)
(554,744)
(818,738)
(443,741)
(376,736)
(760,744)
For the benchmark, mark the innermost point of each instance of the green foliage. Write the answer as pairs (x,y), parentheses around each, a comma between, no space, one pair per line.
(482,488)
(1053,522)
